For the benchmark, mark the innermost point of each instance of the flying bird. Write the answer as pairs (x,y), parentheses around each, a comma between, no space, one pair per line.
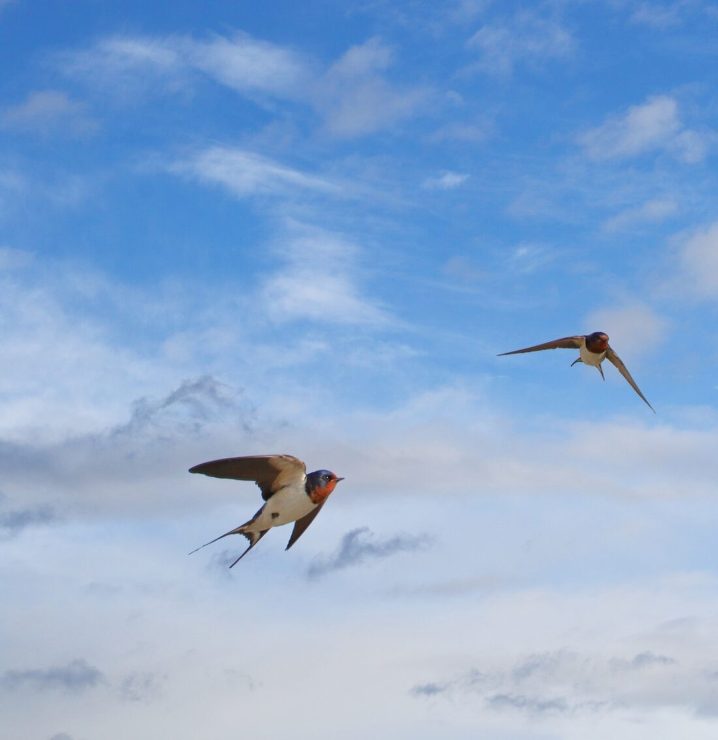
(290,494)
(593,350)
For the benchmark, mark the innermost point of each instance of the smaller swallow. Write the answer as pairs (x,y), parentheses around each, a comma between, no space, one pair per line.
(290,494)
(593,350)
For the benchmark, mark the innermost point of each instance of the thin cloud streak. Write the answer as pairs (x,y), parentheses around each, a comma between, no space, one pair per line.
(246,174)
(74,677)
(359,546)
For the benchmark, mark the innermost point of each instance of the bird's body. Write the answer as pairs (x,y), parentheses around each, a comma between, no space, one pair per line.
(285,506)
(290,494)
(588,357)
(593,349)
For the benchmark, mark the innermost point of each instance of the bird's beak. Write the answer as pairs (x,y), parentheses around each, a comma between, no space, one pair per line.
(338,479)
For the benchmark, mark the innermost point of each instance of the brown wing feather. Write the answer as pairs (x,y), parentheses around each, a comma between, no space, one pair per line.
(563,343)
(611,356)
(269,472)
(301,525)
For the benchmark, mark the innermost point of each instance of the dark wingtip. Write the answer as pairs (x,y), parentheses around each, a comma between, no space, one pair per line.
(194,469)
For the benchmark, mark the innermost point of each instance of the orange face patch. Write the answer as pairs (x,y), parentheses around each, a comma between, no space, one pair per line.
(320,495)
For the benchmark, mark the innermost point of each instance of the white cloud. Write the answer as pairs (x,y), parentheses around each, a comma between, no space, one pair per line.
(246,173)
(634,329)
(650,212)
(351,96)
(586,683)
(527,257)
(467,132)
(318,281)
(48,111)
(14,259)
(355,99)
(653,125)
(526,39)
(447,180)
(125,66)
(657,16)
(250,65)
(363,59)
(663,15)
(698,255)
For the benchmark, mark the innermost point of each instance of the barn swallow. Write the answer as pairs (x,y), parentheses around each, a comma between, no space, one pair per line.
(290,494)
(593,350)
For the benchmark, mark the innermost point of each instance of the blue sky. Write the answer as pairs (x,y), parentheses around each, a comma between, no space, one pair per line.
(310,229)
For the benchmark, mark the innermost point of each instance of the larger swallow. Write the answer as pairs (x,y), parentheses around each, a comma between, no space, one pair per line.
(593,350)
(290,494)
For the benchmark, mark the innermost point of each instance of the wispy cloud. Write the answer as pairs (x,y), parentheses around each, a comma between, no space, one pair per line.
(14,259)
(527,39)
(245,174)
(527,258)
(446,181)
(46,112)
(632,326)
(319,280)
(355,98)
(360,545)
(186,409)
(141,686)
(14,522)
(129,65)
(698,258)
(352,95)
(653,125)
(663,15)
(250,65)
(652,211)
(566,682)
(75,676)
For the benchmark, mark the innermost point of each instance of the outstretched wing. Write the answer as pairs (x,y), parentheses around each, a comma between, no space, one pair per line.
(269,472)
(300,526)
(563,343)
(611,356)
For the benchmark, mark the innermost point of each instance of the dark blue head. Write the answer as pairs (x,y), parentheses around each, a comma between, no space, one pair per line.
(320,484)
(597,342)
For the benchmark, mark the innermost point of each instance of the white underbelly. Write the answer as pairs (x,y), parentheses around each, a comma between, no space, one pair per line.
(591,358)
(285,506)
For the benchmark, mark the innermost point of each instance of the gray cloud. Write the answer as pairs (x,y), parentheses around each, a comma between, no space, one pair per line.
(357,546)
(61,736)
(429,689)
(568,682)
(140,686)
(642,660)
(48,111)
(13,522)
(539,664)
(189,407)
(130,462)
(526,703)
(76,676)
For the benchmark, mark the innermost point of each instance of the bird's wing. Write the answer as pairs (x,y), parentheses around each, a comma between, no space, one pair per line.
(301,525)
(563,343)
(611,356)
(269,472)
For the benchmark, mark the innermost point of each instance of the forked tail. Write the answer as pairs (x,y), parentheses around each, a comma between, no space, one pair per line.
(251,535)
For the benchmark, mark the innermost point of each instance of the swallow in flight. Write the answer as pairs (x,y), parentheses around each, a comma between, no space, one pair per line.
(290,495)
(593,350)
